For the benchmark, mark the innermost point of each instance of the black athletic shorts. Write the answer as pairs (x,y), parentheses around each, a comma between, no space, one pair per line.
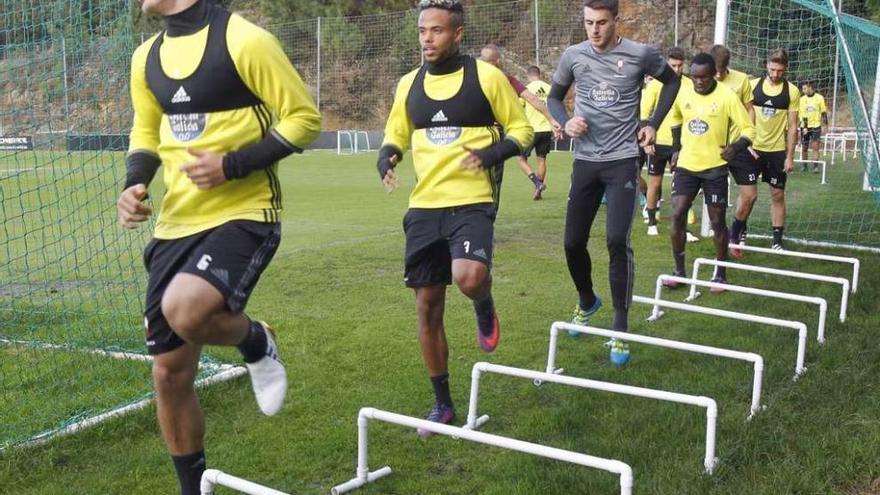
(744,169)
(230,257)
(811,135)
(542,145)
(436,236)
(712,181)
(771,164)
(662,157)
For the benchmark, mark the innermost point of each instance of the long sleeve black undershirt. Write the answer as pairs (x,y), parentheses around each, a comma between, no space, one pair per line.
(671,84)
(140,168)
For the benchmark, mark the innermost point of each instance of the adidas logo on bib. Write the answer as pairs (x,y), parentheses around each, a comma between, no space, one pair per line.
(181,96)
(438,117)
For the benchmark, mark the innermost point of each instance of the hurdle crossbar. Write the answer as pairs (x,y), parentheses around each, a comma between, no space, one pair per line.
(756,359)
(474,422)
(819,162)
(212,478)
(856,264)
(364,475)
(822,303)
(844,283)
(798,326)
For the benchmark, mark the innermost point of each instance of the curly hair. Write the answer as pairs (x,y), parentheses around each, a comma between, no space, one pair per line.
(454,7)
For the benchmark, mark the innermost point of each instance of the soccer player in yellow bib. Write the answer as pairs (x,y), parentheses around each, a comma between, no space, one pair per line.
(216,105)
(776,102)
(544,132)
(814,117)
(702,118)
(446,111)
(660,154)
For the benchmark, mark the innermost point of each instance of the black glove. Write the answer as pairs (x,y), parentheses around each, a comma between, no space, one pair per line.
(733,149)
(383,164)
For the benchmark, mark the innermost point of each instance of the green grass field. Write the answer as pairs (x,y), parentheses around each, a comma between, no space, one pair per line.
(347,331)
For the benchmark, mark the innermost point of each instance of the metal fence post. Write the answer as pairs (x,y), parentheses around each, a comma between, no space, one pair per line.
(537,35)
(836,72)
(66,89)
(318,87)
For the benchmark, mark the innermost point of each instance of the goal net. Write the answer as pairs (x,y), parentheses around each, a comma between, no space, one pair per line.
(837,59)
(71,280)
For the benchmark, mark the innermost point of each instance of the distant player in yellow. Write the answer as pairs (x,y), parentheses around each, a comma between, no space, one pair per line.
(534,103)
(776,103)
(814,120)
(743,168)
(662,153)
(447,111)
(544,134)
(702,118)
(216,104)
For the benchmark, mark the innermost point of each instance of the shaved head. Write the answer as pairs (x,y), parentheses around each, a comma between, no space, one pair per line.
(491,54)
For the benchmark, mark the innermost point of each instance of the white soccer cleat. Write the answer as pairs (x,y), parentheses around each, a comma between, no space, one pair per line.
(691,237)
(268,377)
(652,230)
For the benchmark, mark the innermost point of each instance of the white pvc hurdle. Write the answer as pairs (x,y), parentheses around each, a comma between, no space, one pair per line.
(820,162)
(474,422)
(844,283)
(822,303)
(856,264)
(212,478)
(364,475)
(658,342)
(800,327)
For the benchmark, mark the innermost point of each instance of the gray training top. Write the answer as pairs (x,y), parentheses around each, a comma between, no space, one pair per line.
(608,90)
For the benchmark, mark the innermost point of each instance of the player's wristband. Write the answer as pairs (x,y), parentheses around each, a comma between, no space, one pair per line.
(383,164)
(259,156)
(140,168)
(495,154)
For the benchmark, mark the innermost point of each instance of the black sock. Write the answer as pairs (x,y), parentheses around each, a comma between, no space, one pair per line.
(535,179)
(777,235)
(588,299)
(485,310)
(441,389)
(620,319)
(737,229)
(652,216)
(679,263)
(189,472)
(720,272)
(253,347)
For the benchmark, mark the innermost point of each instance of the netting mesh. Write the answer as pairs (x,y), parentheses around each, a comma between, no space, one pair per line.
(840,211)
(71,280)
